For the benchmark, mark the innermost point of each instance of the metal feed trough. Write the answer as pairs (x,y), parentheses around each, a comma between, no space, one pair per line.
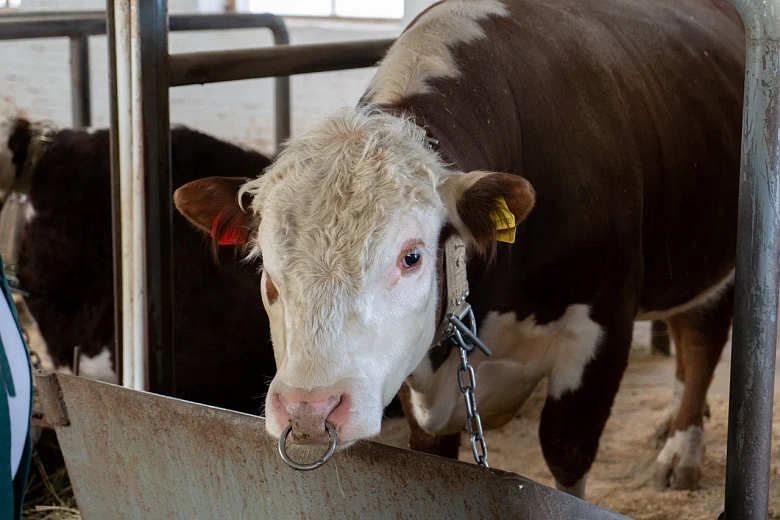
(165,458)
(150,456)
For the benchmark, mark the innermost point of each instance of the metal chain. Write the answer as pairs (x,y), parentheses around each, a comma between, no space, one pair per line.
(473,421)
(466,340)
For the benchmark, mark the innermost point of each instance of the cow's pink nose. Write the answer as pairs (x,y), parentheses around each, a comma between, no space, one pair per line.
(307,413)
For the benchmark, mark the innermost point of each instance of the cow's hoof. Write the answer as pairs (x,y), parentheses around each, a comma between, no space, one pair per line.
(678,465)
(685,478)
(677,477)
(662,474)
(658,439)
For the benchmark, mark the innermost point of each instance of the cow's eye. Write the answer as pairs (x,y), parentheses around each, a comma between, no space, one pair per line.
(411,259)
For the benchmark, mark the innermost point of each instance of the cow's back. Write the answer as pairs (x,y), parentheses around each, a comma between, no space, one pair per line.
(646,128)
(625,117)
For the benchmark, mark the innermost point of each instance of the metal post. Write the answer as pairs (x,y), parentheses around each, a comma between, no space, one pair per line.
(132,279)
(116,200)
(756,290)
(152,33)
(79,81)
(281,88)
(283,128)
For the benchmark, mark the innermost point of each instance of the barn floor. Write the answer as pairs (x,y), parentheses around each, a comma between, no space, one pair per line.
(621,477)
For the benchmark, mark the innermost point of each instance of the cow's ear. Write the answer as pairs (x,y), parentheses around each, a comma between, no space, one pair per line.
(211,205)
(486,207)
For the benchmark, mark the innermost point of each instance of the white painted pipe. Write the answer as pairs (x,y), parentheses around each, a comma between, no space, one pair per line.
(131,195)
(140,343)
(122,49)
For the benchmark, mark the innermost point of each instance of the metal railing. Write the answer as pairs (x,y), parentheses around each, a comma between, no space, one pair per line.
(78,26)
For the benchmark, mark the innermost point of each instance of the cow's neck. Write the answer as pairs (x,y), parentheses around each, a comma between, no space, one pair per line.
(453,283)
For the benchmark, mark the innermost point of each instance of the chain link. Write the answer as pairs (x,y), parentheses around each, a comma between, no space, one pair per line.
(467,382)
(473,421)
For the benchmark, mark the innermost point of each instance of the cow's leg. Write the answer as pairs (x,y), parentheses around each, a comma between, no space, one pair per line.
(703,334)
(419,440)
(572,422)
(662,432)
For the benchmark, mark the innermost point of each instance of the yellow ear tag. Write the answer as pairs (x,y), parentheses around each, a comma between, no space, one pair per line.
(504,220)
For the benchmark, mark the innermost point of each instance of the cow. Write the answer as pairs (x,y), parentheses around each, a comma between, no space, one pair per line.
(65,266)
(568,166)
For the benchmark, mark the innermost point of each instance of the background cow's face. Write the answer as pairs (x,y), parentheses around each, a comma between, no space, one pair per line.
(348,221)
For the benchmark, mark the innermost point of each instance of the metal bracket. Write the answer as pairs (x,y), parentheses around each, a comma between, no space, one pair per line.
(49,390)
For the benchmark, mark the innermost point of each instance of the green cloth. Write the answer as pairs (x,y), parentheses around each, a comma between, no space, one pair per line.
(11,492)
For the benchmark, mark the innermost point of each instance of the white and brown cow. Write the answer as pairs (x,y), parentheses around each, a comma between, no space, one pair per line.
(611,130)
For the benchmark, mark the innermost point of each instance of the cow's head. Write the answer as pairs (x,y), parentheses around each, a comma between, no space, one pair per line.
(348,221)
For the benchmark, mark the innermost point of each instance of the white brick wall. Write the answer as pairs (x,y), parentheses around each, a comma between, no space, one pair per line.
(35,74)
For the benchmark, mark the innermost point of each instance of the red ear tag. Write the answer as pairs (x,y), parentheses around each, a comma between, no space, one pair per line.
(230,237)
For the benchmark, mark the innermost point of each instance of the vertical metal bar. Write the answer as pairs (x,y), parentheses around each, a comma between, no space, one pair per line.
(659,338)
(153,38)
(757,280)
(281,87)
(123,15)
(116,204)
(79,81)
(137,238)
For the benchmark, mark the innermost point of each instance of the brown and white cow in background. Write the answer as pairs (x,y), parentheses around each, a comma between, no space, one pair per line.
(65,264)
(611,129)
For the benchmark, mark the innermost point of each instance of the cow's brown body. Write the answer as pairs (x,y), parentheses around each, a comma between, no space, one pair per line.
(625,117)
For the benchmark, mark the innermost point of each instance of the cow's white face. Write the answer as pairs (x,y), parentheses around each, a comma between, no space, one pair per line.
(347,221)
(359,338)
(350,220)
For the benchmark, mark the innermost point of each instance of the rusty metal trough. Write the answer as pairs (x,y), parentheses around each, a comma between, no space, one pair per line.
(137,455)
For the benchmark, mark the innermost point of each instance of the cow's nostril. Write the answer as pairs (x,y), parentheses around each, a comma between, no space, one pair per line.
(307,411)
(339,415)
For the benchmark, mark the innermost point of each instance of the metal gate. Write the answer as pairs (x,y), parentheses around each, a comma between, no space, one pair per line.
(78,26)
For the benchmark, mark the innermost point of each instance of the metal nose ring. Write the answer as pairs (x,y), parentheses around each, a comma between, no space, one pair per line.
(332,435)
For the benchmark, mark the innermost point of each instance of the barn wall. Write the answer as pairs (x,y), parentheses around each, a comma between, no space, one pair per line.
(35,74)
